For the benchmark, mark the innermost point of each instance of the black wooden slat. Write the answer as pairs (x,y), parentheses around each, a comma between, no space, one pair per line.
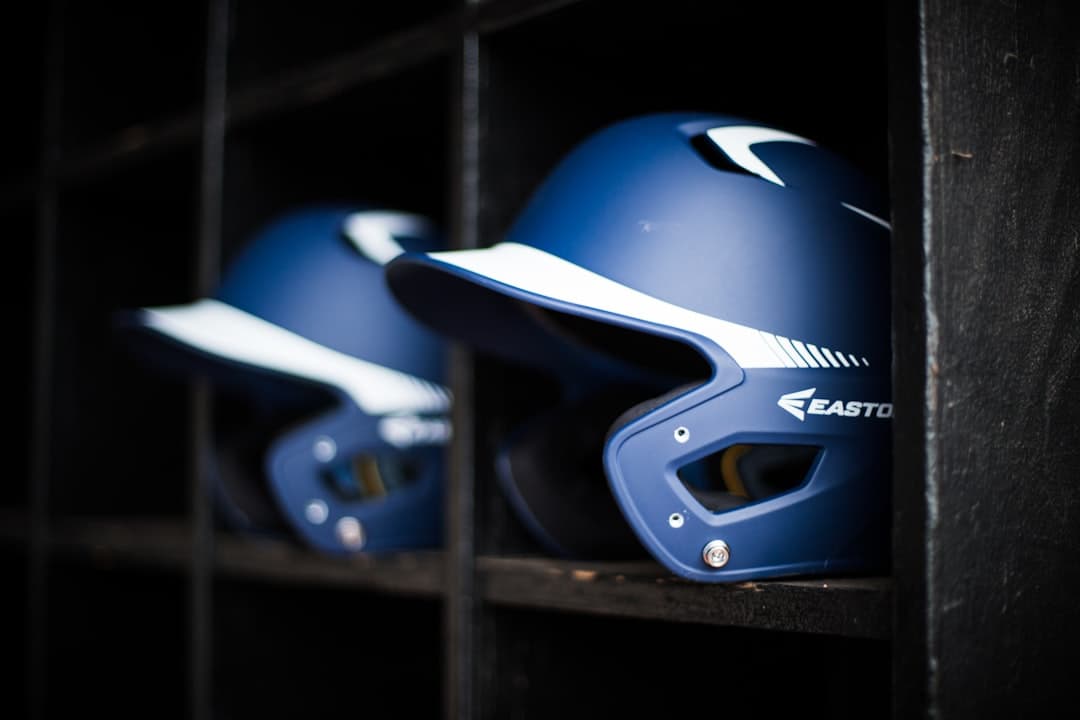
(849,607)
(42,348)
(207,269)
(909,376)
(846,607)
(168,544)
(461,611)
(403,573)
(991,253)
(985,106)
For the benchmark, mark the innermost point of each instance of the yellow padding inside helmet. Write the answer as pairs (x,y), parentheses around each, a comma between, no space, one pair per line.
(366,469)
(729,470)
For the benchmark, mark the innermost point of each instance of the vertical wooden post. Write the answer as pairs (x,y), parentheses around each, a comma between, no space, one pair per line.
(986,176)
(208,257)
(43,349)
(461,610)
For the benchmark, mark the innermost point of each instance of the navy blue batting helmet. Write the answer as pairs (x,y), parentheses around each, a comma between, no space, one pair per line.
(713,294)
(347,439)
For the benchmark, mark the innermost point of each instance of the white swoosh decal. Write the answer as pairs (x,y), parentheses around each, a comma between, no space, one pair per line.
(541,273)
(735,142)
(227,332)
(374,233)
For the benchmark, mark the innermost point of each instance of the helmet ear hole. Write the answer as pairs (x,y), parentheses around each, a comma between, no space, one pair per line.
(366,477)
(741,474)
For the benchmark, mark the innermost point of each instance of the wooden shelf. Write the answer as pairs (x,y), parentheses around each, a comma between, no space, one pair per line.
(851,607)
(166,544)
(405,573)
(462,108)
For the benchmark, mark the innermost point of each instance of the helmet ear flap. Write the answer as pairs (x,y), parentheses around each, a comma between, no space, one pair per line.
(336,468)
(241,498)
(646,407)
(552,473)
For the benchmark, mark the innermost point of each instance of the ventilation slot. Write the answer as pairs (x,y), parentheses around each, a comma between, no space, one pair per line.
(367,477)
(742,474)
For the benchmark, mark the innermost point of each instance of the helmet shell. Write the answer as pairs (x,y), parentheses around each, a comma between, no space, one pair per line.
(762,252)
(345,385)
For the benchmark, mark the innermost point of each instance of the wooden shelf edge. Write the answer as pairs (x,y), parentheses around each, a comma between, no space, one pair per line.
(418,572)
(166,544)
(156,543)
(849,607)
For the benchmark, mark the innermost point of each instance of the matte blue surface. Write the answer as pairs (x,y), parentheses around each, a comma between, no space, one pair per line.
(837,521)
(408,517)
(637,203)
(301,273)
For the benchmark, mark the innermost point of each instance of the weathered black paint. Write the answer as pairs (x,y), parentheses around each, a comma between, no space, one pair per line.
(986,177)
(984,167)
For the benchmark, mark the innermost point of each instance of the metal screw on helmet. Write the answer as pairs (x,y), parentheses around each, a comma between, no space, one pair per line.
(350,532)
(316,511)
(681,434)
(324,449)
(716,554)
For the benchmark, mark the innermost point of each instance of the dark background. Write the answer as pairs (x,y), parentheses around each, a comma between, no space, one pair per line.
(143,142)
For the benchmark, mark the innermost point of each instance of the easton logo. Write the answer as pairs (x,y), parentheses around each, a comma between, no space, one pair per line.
(403,431)
(802,403)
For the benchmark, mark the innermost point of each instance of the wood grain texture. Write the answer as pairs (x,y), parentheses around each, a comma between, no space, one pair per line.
(167,544)
(851,607)
(990,252)
(461,611)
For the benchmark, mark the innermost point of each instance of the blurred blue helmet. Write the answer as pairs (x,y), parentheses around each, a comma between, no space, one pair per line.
(343,439)
(713,296)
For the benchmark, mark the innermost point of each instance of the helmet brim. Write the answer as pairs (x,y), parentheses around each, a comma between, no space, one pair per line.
(219,332)
(422,283)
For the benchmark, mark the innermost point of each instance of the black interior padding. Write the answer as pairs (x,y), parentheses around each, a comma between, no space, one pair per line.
(250,413)
(556,466)
(765,471)
(660,356)
(768,470)
(717,500)
(646,406)
(242,498)
(494,322)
